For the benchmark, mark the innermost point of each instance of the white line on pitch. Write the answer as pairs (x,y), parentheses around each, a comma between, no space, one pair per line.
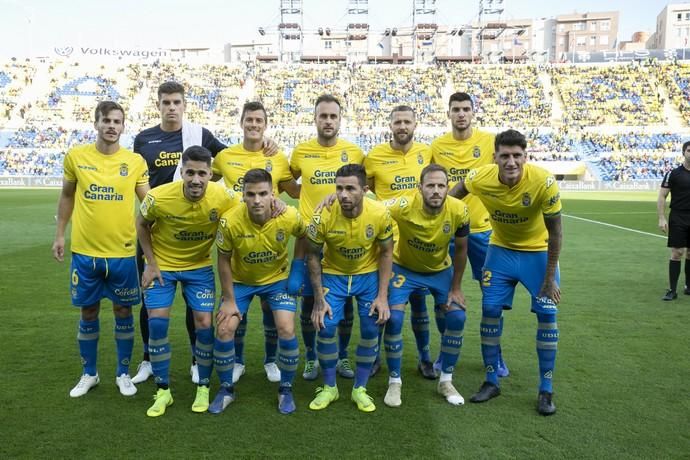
(605,213)
(615,226)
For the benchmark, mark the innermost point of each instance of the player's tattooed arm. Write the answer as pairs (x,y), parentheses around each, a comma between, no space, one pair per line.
(459,191)
(456,298)
(549,287)
(321,307)
(151,271)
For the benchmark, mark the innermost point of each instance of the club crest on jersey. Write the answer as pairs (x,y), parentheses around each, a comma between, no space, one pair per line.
(526,199)
(476,152)
(213,215)
(311,230)
(124,169)
(369,232)
(280,235)
(269,166)
(420,159)
(446,227)
(343,157)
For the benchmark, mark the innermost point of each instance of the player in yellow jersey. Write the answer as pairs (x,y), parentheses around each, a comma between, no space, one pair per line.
(525,208)
(177,225)
(393,170)
(460,150)
(427,222)
(356,236)
(253,261)
(101,182)
(316,162)
(232,164)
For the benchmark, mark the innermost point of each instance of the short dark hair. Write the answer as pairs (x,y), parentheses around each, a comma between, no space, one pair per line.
(686,145)
(403,108)
(510,138)
(252,106)
(105,107)
(353,169)
(170,87)
(197,153)
(460,97)
(257,176)
(327,98)
(433,167)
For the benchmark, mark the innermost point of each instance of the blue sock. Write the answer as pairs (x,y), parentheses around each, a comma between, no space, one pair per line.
(345,329)
(124,342)
(224,361)
(270,337)
(296,278)
(308,331)
(367,350)
(159,349)
(393,342)
(288,360)
(491,339)
(440,319)
(500,333)
(451,342)
(239,340)
(88,344)
(547,345)
(420,325)
(203,351)
(327,349)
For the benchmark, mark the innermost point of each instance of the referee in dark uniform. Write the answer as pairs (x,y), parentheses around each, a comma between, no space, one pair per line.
(677,183)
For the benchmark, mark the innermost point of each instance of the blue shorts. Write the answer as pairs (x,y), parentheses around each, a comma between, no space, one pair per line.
(275,294)
(477,245)
(94,278)
(504,268)
(363,287)
(198,289)
(404,282)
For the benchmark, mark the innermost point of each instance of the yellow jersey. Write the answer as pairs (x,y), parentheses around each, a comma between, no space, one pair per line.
(459,157)
(105,200)
(424,238)
(233,163)
(259,252)
(517,213)
(396,173)
(317,166)
(183,231)
(351,243)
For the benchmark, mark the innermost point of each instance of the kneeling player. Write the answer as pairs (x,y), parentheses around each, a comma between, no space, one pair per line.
(357,235)
(428,222)
(176,228)
(252,261)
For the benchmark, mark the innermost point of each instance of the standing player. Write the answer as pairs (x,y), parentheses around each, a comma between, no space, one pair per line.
(677,183)
(357,235)
(162,146)
(392,172)
(100,184)
(177,226)
(232,164)
(525,208)
(253,261)
(462,149)
(316,162)
(428,221)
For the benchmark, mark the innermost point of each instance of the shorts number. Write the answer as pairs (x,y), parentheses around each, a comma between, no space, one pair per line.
(486,278)
(399,280)
(75,277)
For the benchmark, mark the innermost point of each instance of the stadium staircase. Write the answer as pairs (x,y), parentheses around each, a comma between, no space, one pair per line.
(556,101)
(140,100)
(39,88)
(675,120)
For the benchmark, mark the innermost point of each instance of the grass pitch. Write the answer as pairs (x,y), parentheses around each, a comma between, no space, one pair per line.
(620,375)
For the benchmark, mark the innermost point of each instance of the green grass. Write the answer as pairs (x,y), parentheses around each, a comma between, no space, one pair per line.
(620,381)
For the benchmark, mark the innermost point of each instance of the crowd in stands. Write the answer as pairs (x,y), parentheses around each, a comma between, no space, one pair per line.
(624,167)
(616,95)
(60,114)
(504,96)
(29,162)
